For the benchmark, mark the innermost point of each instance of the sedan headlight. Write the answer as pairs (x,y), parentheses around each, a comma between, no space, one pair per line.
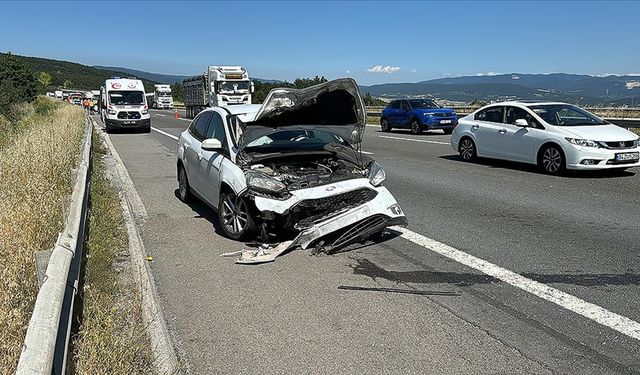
(636,143)
(583,142)
(263,183)
(376,174)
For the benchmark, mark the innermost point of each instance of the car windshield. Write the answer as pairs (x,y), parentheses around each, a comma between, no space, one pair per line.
(233,86)
(423,104)
(290,140)
(126,97)
(566,115)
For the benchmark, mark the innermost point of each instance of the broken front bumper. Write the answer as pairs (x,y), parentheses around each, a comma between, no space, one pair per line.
(352,210)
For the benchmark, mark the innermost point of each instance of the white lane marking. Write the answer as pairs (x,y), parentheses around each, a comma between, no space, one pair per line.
(159,114)
(164,133)
(414,140)
(367,152)
(567,301)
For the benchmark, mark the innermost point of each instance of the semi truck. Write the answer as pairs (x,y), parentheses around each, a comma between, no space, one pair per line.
(219,86)
(124,105)
(162,98)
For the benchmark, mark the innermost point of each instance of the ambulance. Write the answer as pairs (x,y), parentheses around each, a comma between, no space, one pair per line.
(124,105)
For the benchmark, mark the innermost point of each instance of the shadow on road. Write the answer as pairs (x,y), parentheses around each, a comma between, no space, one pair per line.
(368,268)
(203,211)
(530,168)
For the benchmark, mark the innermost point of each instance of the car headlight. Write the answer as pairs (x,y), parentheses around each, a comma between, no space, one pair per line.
(429,114)
(263,183)
(112,112)
(376,174)
(583,142)
(144,111)
(636,143)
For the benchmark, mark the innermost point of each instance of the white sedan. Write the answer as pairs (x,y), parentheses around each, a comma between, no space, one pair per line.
(289,170)
(554,136)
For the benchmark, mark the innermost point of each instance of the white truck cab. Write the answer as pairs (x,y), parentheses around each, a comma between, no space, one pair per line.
(219,86)
(124,105)
(162,98)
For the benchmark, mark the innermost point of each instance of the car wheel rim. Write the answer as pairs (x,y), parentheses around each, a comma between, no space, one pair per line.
(551,160)
(414,127)
(384,125)
(234,214)
(182,184)
(466,149)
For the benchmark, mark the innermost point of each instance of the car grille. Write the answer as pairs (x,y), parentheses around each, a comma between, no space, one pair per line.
(618,145)
(310,211)
(448,114)
(129,115)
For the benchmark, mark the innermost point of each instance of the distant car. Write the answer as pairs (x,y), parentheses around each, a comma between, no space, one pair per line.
(417,115)
(554,136)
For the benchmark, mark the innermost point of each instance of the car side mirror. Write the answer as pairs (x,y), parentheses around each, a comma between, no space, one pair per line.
(522,122)
(211,144)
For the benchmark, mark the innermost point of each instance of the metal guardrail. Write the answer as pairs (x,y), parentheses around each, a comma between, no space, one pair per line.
(45,345)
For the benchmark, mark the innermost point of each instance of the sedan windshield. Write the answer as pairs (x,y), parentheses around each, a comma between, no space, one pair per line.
(290,140)
(126,97)
(566,115)
(423,104)
(233,86)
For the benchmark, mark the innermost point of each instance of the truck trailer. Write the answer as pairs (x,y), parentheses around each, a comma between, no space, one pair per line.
(124,105)
(218,86)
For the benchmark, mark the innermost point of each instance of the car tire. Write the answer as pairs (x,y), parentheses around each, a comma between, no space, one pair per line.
(467,149)
(416,128)
(447,131)
(234,216)
(184,189)
(147,129)
(385,126)
(551,160)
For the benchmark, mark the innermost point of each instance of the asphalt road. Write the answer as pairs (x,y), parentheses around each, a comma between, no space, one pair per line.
(579,234)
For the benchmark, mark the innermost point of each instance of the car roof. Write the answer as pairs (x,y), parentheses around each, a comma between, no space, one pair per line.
(526,103)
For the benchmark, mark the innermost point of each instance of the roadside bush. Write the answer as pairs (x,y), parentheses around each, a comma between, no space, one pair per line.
(35,179)
(17,83)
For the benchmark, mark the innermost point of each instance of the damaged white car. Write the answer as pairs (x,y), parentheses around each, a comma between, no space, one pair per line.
(288,173)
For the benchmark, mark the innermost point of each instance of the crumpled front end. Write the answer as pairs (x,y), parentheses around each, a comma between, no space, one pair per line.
(328,217)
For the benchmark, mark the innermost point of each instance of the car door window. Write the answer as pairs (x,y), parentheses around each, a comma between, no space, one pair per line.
(404,105)
(216,128)
(492,114)
(515,113)
(199,126)
(395,104)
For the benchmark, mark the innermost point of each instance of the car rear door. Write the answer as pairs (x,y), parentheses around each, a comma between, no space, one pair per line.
(485,126)
(193,151)
(518,143)
(211,161)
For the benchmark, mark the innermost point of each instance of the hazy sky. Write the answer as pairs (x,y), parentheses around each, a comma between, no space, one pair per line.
(374,42)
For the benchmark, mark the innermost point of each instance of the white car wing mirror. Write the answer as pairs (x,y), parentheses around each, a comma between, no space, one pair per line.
(211,144)
(522,122)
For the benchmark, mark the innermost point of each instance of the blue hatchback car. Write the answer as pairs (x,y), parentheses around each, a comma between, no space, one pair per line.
(417,115)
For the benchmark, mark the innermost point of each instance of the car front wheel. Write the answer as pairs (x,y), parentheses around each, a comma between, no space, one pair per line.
(234,216)
(551,160)
(416,128)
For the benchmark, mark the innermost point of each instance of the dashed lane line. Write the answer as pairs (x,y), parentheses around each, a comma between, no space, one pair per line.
(414,140)
(164,133)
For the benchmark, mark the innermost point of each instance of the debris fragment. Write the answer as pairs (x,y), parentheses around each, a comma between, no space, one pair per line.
(149,258)
(263,254)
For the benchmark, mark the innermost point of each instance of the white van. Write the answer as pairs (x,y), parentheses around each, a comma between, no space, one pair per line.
(124,105)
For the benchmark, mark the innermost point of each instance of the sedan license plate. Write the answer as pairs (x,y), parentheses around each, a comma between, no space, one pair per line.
(445,121)
(628,156)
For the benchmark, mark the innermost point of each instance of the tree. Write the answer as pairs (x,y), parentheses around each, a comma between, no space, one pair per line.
(44,79)
(177,92)
(17,83)
(67,84)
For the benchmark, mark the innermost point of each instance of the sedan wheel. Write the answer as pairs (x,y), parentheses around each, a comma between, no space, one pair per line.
(467,149)
(552,161)
(234,216)
(416,128)
(184,191)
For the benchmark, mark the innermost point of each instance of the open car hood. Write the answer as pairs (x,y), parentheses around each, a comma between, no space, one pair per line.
(335,106)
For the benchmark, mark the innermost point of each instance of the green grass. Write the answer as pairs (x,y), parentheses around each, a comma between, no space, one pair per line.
(40,148)
(112,338)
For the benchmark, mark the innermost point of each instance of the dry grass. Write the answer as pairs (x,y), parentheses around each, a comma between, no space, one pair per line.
(112,338)
(36,160)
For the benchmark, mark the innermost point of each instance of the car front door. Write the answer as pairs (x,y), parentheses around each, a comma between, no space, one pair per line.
(518,143)
(211,161)
(193,151)
(486,124)
(392,112)
(404,114)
